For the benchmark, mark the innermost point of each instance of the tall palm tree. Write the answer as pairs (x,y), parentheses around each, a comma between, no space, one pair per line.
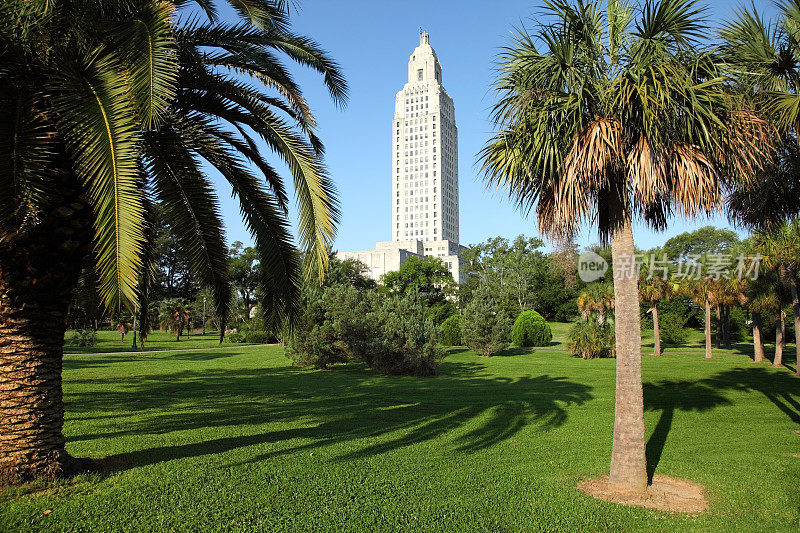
(653,290)
(107,108)
(701,291)
(608,116)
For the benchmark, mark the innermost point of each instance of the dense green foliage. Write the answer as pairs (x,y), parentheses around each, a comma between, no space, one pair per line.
(451,331)
(348,320)
(530,329)
(590,339)
(83,338)
(672,328)
(522,276)
(485,328)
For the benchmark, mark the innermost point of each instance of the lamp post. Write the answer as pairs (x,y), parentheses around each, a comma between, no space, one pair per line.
(135,312)
(204,315)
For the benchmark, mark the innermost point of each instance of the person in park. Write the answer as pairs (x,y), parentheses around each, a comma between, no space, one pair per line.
(611,113)
(99,123)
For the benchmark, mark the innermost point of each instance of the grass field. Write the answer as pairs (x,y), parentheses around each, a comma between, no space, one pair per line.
(111,341)
(236,439)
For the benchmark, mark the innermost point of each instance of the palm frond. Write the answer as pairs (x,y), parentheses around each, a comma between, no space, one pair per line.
(99,126)
(148,49)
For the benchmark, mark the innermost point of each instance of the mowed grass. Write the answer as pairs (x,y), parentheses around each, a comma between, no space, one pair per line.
(111,341)
(236,439)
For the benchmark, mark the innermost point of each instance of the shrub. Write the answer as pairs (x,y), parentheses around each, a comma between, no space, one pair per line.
(337,324)
(672,329)
(83,338)
(451,331)
(236,337)
(485,328)
(589,339)
(256,337)
(408,341)
(530,329)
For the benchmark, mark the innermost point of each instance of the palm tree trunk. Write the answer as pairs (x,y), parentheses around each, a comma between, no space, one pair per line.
(758,343)
(656,333)
(38,272)
(726,326)
(796,313)
(708,329)
(628,464)
(779,340)
(718,337)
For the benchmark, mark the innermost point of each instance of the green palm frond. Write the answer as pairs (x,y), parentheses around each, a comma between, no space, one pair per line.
(192,209)
(279,258)
(100,129)
(148,49)
(27,149)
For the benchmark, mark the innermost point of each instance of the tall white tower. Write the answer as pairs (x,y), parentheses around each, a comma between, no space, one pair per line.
(424,155)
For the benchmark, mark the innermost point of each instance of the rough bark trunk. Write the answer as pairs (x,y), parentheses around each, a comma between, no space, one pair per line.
(38,271)
(796,313)
(628,471)
(758,343)
(779,340)
(726,326)
(656,333)
(708,329)
(718,337)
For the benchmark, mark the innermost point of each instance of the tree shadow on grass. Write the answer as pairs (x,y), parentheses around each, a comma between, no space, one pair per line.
(326,408)
(667,396)
(780,388)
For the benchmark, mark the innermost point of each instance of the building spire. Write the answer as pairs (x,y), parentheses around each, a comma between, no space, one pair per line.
(423,36)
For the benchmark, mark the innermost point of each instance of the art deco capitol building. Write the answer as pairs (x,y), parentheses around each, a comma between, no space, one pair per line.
(424,172)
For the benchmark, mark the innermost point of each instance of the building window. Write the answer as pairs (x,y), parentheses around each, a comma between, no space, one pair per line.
(419,74)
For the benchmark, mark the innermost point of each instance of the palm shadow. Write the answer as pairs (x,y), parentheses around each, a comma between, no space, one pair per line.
(666,397)
(780,388)
(320,409)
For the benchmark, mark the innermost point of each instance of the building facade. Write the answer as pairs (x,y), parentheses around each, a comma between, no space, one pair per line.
(425,219)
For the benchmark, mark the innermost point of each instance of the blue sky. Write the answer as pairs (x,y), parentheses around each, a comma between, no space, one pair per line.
(372,42)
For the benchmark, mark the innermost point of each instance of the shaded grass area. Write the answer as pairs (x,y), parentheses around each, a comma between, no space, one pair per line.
(238,440)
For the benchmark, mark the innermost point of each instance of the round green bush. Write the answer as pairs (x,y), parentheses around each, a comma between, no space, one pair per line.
(256,337)
(530,329)
(451,331)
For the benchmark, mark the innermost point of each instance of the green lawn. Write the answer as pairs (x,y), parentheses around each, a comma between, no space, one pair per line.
(236,439)
(110,341)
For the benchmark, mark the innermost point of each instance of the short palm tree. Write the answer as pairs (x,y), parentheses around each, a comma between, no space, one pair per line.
(107,108)
(596,298)
(612,115)
(781,250)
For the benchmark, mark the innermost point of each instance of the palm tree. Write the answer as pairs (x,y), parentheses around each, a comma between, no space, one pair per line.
(781,250)
(764,60)
(701,291)
(613,115)
(653,290)
(596,298)
(98,123)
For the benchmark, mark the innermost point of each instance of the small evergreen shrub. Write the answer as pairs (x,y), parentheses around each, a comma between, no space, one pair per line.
(672,329)
(451,331)
(256,337)
(485,328)
(236,337)
(83,338)
(530,329)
